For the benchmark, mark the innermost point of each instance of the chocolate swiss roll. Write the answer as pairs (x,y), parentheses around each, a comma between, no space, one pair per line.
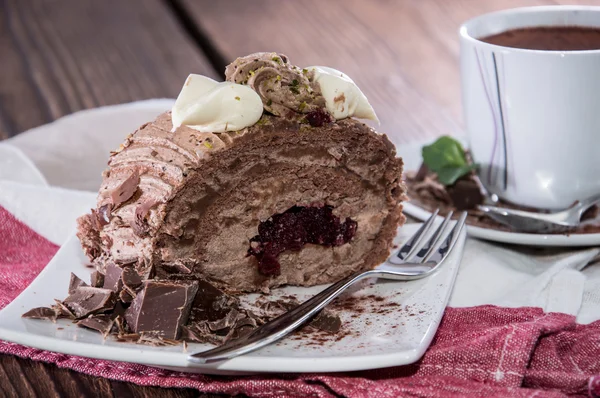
(291,189)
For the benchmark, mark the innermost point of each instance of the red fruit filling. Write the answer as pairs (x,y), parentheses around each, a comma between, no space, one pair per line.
(293,229)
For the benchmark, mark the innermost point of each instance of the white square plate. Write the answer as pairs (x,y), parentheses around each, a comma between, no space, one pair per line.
(394,329)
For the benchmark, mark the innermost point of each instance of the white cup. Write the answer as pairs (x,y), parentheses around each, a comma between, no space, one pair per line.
(532,116)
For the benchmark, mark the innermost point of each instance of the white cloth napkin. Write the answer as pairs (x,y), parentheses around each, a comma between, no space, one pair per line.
(49,175)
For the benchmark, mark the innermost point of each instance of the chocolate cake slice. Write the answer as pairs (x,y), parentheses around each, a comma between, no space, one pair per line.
(303,196)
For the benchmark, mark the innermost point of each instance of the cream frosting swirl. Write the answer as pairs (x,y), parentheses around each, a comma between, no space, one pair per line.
(287,90)
(209,106)
(342,96)
(284,89)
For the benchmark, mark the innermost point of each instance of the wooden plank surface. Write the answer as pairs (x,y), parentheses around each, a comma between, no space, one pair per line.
(57,57)
(402,54)
(60,56)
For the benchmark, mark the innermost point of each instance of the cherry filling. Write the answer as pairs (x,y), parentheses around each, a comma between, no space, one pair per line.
(294,228)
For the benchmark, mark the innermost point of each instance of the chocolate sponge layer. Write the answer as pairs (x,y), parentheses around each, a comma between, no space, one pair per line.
(185,204)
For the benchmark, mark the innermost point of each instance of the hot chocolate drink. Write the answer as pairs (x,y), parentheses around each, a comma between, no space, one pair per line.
(550,38)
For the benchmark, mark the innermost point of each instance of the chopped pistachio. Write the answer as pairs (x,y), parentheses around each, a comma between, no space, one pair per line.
(269,102)
(295,83)
(237,98)
(278,77)
(305,71)
(294,90)
(207,144)
(251,72)
(302,106)
(278,60)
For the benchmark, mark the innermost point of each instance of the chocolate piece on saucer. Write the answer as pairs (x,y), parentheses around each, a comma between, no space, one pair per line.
(112,278)
(75,282)
(465,194)
(100,323)
(45,313)
(90,300)
(161,307)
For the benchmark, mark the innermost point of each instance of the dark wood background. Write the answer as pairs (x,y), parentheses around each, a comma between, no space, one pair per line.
(61,56)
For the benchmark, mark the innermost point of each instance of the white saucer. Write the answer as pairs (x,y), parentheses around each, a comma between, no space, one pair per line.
(515,238)
(374,338)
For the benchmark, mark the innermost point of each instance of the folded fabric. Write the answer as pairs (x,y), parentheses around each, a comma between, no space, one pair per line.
(478,351)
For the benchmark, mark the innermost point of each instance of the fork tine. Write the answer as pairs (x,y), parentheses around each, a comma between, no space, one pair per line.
(450,240)
(435,240)
(413,243)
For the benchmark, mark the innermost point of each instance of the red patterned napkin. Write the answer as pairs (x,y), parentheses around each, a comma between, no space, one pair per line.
(477,352)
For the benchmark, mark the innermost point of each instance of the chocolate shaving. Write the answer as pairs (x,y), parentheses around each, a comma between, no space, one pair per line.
(75,282)
(128,338)
(156,340)
(119,326)
(125,190)
(103,215)
(176,268)
(140,221)
(62,311)
(226,322)
(41,313)
(97,279)
(90,300)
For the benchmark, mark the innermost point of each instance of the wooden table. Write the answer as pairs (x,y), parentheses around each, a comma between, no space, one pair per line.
(61,56)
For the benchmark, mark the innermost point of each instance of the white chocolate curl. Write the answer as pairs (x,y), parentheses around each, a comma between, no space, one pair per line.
(212,107)
(343,98)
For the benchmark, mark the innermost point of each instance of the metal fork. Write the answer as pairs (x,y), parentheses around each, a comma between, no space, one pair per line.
(418,258)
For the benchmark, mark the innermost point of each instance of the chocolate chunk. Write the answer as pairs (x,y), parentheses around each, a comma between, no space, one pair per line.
(90,300)
(97,279)
(100,323)
(327,322)
(465,194)
(62,310)
(211,304)
(161,307)
(74,283)
(41,313)
(125,190)
(140,224)
(130,278)
(112,278)
(125,296)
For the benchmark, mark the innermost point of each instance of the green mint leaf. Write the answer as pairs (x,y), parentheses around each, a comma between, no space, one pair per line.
(449,176)
(446,157)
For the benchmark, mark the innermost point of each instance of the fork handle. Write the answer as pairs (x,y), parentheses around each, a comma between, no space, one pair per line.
(282,325)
